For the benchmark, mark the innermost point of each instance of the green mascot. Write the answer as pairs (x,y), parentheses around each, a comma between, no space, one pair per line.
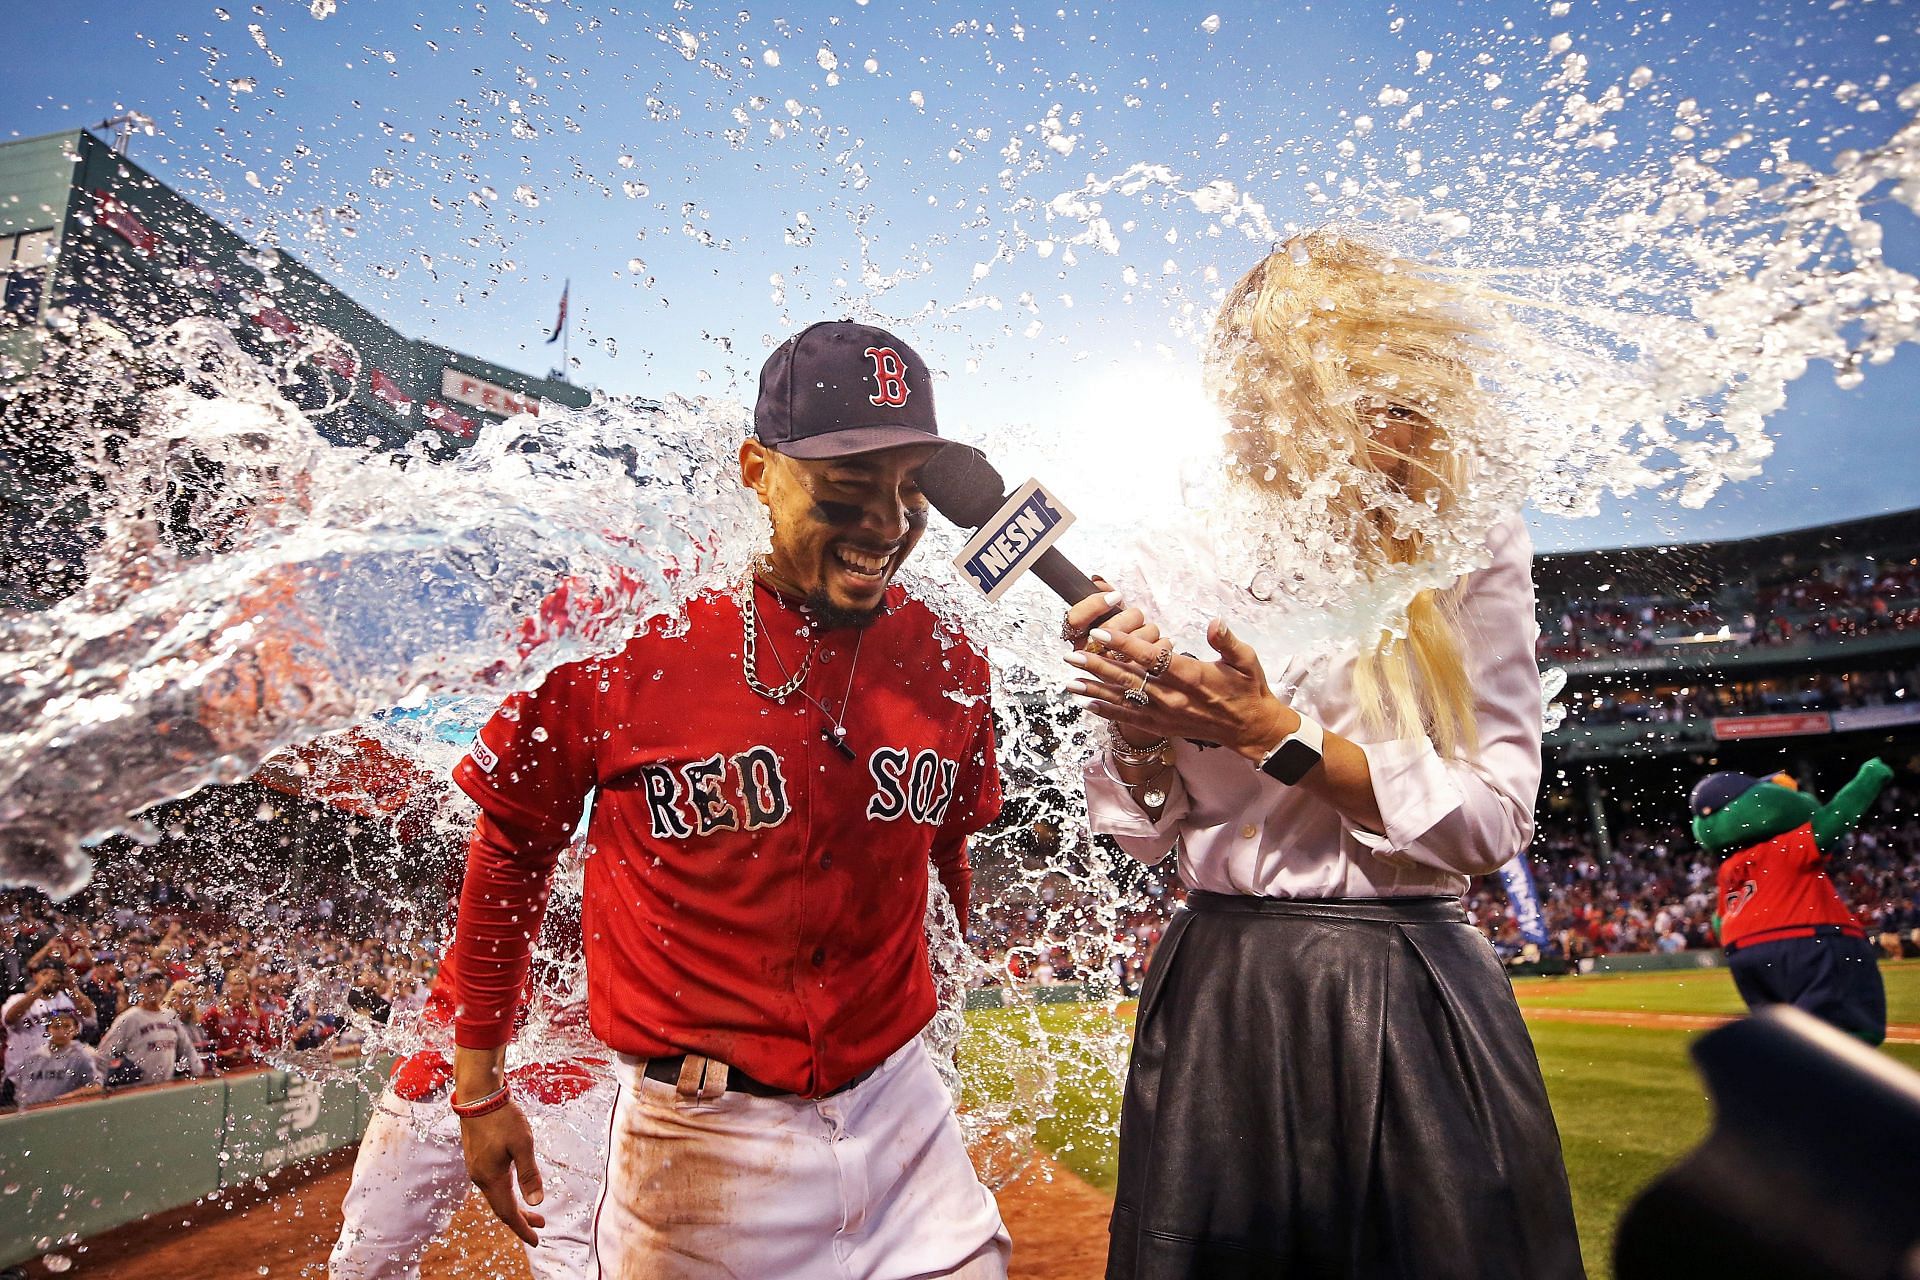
(1789,937)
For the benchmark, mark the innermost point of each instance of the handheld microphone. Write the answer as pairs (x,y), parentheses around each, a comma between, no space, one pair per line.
(965,488)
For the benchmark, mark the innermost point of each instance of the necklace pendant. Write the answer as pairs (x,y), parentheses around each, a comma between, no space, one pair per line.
(836,737)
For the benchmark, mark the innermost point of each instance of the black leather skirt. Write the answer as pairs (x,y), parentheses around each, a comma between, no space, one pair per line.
(1335,1088)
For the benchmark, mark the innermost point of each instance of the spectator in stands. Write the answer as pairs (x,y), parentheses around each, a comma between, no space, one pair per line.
(109,996)
(184,999)
(237,1026)
(50,991)
(307,1029)
(61,1067)
(151,1037)
(409,995)
(369,998)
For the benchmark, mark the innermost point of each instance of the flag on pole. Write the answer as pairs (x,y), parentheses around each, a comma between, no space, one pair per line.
(560,320)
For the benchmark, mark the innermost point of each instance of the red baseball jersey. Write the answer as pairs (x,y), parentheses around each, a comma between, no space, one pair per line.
(1778,889)
(753,893)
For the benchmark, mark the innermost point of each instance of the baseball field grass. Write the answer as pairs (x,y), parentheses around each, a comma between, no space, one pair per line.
(1626,1097)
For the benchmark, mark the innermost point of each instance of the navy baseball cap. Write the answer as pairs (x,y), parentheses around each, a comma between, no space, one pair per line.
(837,388)
(1717,790)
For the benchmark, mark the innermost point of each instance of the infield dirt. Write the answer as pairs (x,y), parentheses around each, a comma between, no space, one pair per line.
(286,1227)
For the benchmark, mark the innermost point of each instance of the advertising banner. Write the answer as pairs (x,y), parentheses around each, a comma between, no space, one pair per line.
(1789,725)
(1858,718)
(481,394)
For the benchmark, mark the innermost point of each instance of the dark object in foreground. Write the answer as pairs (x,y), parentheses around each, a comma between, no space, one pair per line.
(1812,1168)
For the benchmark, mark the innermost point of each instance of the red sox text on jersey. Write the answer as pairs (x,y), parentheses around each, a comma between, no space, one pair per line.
(752,894)
(695,799)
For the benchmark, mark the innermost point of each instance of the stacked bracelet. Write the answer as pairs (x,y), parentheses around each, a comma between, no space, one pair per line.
(1126,753)
(482,1106)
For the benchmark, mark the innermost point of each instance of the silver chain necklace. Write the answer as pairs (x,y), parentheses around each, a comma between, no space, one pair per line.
(749,655)
(835,732)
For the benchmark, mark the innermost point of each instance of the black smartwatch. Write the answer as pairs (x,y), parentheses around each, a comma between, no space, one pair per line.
(1297,753)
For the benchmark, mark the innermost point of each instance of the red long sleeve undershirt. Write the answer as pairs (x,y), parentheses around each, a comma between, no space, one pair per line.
(502,905)
(949,854)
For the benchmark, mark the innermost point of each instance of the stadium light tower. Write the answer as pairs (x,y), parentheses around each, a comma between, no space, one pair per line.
(128,124)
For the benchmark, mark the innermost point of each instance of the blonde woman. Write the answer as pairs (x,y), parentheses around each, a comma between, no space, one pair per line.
(1330,1077)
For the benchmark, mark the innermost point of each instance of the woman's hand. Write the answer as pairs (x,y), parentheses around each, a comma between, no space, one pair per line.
(1225,702)
(1129,621)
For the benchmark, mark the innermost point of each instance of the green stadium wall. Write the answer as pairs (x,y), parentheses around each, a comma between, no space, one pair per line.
(72,1171)
(1645,962)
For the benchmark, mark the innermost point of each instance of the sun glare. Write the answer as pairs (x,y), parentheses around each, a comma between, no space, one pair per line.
(1136,435)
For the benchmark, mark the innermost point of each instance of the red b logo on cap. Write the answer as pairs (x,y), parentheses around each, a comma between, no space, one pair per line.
(890,372)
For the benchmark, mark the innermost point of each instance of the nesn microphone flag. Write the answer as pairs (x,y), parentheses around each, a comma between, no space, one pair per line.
(560,320)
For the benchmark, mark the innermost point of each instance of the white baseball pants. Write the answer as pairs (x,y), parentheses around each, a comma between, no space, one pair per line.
(871,1184)
(411,1175)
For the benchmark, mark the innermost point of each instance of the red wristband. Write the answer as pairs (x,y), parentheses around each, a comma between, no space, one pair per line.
(487,1105)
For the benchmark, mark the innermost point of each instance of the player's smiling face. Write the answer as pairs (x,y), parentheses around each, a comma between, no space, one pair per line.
(841,526)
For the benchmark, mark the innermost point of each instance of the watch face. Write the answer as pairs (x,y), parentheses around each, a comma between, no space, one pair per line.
(1291,761)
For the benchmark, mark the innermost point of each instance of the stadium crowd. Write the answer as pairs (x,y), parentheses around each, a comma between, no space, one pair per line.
(141,981)
(1655,893)
(1835,599)
(1821,691)
(103,992)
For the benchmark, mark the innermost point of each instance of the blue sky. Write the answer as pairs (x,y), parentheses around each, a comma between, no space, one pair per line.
(712,176)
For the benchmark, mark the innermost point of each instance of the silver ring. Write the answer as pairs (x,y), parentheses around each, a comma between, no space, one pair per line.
(1161,663)
(1137,696)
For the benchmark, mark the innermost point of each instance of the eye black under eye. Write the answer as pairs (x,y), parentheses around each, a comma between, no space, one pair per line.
(838,512)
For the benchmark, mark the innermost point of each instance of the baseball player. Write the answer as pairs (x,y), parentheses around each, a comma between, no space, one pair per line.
(1790,939)
(410,1174)
(769,787)
(151,1036)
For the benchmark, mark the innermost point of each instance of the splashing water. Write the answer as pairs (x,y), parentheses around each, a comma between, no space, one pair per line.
(339,582)
(250,588)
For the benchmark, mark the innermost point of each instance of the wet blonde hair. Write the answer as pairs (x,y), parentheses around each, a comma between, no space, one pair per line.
(1322,355)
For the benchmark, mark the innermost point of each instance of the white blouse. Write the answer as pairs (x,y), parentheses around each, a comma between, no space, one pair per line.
(1446,820)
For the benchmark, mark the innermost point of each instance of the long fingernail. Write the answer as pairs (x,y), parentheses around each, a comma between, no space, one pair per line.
(1077,658)
(1113,597)
(1101,634)
(1075,686)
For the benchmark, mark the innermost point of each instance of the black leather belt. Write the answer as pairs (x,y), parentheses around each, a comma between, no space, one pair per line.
(667,1071)
(1418,909)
